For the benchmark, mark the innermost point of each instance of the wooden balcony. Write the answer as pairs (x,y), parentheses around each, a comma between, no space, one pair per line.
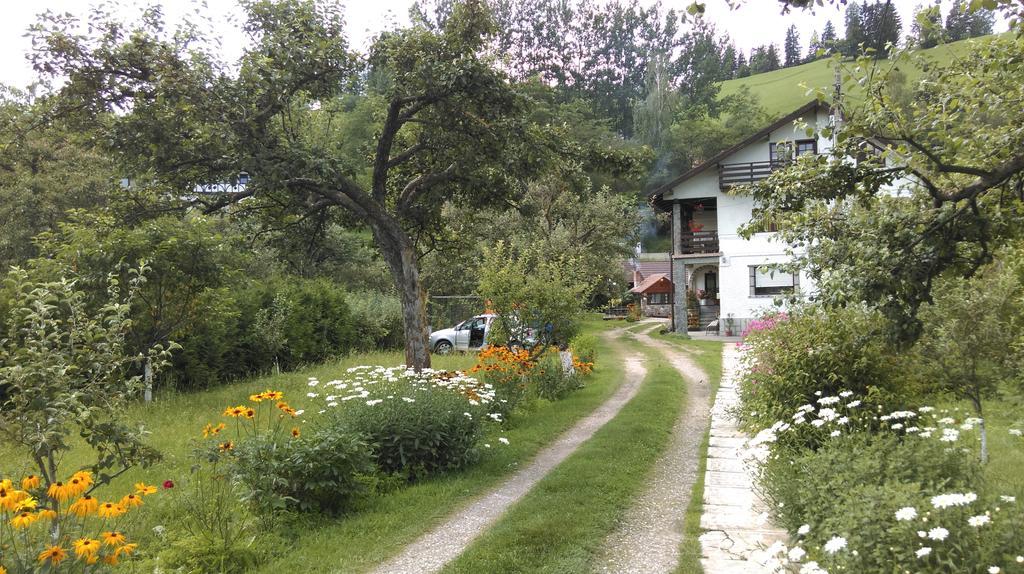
(698,243)
(730,174)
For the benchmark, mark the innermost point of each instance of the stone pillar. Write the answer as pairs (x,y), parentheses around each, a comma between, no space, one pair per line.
(680,272)
(677,228)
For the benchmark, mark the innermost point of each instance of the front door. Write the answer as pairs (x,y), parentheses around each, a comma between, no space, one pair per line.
(470,334)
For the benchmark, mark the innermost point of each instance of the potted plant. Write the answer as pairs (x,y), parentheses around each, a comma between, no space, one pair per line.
(704,297)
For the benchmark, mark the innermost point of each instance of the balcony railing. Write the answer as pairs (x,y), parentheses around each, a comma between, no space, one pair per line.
(698,243)
(730,174)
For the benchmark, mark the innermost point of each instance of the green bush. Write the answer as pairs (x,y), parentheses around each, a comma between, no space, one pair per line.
(549,380)
(417,423)
(584,347)
(377,318)
(321,471)
(814,353)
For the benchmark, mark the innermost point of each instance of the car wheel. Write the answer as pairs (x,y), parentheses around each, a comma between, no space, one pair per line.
(443,347)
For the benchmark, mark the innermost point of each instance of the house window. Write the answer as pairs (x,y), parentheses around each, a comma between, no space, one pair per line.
(657,299)
(806,146)
(766,281)
(780,152)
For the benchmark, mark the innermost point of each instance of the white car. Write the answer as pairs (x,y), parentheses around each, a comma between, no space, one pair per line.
(468,335)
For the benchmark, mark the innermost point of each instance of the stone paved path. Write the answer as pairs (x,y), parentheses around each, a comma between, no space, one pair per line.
(648,538)
(447,540)
(734,517)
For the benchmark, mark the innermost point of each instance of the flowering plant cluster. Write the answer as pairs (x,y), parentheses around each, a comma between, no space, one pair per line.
(372,386)
(268,414)
(59,526)
(901,511)
(513,371)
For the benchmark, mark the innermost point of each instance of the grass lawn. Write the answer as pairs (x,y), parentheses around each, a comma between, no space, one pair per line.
(383,524)
(1003,473)
(560,525)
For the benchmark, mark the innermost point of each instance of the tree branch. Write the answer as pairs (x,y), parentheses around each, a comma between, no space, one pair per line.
(421,185)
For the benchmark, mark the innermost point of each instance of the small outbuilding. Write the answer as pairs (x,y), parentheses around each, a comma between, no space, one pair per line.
(655,295)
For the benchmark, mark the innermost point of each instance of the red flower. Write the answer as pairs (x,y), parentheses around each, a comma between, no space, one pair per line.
(168,484)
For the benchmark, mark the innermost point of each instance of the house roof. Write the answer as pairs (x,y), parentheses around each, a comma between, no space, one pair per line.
(812,105)
(646,268)
(649,282)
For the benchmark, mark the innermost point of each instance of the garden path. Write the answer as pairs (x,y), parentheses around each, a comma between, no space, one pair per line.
(449,539)
(648,538)
(735,518)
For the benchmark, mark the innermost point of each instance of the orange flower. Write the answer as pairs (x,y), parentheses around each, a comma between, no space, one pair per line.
(111,510)
(29,482)
(84,506)
(24,519)
(78,484)
(235,411)
(131,501)
(144,489)
(257,398)
(226,446)
(54,555)
(111,559)
(11,499)
(273,395)
(210,429)
(86,547)
(127,549)
(59,492)
(113,538)
(249,413)
(296,432)
(47,513)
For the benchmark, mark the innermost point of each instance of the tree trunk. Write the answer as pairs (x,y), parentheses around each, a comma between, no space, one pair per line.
(400,255)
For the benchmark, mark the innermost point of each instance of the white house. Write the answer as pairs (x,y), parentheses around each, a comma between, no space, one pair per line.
(707,253)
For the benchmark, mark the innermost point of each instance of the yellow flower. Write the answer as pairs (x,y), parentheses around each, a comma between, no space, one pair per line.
(249,413)
(144,489)
(210,429)
(24,519)
(296,432)
(111,559)
(111,510)
(84,506)
(29,482)
(257,398)
(59,492)
(47,513)
(54,555)
(86,547)
(6,484)
(3,570)
(113,538)
(131,501)
(273,395)
(28,503)
(226,446)
(11,499)
(76,486)
(234,411)
(127,549)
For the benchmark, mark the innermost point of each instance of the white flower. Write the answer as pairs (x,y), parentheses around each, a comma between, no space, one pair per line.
(926,409)
(979,520)
(925,434)
(923,551)
(922,534)
(503,440)
(946,421)
(373,402)
(835,544)
(835,433)
(1016,432)
(817,422)
(1005,498)
(897,426)
(845,394)
(468,415)
(994,570)
(1020,559)
(906,513)
(949,435)
(828,400)
(853,404)
(796,553)
(312,395)
(938,533)
(803,529)
(487,445)
(408,400)
(843,420)
(495,416)
(953,499)
(300,412)
(811,568)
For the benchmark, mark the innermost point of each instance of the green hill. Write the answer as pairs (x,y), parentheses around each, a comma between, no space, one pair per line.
(780,91)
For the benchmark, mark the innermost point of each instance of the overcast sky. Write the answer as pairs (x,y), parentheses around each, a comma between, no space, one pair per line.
(756,22)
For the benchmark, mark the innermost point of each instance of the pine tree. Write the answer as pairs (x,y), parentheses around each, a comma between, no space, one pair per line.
(980,22)
(742,69)
(828,36)
(758,60)
(957,24)
(854,30)
(881,25)
(791,48)
(772,58)
(729,62)
(812,47)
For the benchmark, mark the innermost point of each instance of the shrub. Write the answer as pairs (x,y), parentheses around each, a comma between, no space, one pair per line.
(505,369)
(320,471)
(418,423)
(793,360)
(377,319)
(584,347)
(549,378)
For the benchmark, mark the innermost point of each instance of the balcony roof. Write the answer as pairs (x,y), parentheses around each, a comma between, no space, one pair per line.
(655,196)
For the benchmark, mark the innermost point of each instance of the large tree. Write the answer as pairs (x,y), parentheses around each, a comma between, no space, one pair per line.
(791,47)
(448,122)
(955,151)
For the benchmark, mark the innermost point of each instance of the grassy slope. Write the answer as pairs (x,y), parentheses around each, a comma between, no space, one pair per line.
(782,91)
